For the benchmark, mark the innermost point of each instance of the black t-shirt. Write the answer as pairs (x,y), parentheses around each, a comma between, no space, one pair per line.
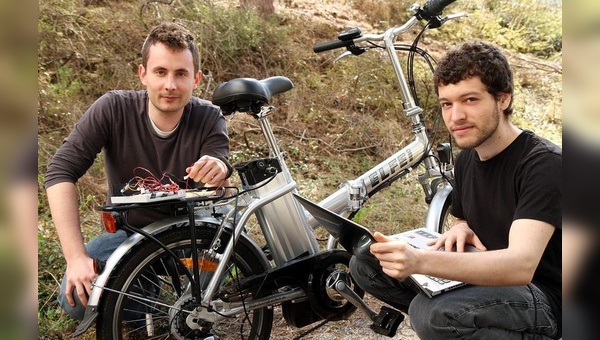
(524,181)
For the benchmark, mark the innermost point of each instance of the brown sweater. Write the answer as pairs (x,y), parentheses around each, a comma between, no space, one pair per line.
(118,125)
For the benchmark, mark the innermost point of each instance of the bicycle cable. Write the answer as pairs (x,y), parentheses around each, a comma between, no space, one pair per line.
(412,85)
(410,65)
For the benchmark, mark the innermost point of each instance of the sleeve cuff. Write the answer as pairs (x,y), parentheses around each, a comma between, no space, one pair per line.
(228,165)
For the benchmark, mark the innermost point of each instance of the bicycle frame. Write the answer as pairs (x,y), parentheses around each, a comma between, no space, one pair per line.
(288,229)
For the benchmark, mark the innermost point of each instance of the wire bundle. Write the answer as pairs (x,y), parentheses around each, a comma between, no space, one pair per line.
(150,183)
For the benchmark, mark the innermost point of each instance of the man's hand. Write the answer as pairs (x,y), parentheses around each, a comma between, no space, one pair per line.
(80,275)
(208,170)
(397,258)
(459,235)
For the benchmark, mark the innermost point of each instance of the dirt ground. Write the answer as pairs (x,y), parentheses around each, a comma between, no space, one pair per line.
(339,13)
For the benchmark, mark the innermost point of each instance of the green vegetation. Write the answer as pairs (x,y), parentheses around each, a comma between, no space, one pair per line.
(340,120)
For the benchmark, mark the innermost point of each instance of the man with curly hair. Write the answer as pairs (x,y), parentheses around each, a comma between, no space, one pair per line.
(507,200)
(163,129)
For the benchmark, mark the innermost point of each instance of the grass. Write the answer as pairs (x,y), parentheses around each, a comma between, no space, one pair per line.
(340,119)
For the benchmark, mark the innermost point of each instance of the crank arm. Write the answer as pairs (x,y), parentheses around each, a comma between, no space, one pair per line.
(230,309)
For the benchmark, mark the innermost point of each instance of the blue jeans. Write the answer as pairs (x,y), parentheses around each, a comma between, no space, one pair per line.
(469,312)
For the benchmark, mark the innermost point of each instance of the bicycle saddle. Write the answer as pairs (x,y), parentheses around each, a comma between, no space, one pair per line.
(248,94)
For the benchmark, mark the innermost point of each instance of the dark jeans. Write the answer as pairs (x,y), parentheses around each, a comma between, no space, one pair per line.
(469,312)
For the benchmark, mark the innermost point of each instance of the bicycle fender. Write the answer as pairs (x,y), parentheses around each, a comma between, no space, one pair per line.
(91,311)
(436,207)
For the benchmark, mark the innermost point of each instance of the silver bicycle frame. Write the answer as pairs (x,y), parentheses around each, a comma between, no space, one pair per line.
(286,226)
(352,194)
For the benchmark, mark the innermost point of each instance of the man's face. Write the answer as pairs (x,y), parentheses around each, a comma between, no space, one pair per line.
(169,79)
(471,114)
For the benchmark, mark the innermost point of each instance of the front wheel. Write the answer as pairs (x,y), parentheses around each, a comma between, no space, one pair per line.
(149,296)
(446,219)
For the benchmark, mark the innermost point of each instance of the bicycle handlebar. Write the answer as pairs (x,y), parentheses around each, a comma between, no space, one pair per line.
(434,8)
(430,10)
(330,45)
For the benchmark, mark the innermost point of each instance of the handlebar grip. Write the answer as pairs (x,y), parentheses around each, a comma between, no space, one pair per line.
(434,8)
(330,45)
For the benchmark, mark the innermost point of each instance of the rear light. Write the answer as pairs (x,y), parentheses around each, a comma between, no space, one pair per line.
(99,266)
(206,265)
(111,221)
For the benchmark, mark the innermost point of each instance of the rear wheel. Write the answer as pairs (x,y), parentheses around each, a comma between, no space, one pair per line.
(149,297)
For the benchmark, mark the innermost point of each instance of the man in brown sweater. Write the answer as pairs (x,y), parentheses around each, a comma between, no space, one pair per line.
(163,129)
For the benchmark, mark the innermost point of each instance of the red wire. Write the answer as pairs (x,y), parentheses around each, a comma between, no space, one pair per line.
(151,183)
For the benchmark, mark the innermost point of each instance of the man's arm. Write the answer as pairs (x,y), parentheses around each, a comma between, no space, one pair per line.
(62,199)
(514,265)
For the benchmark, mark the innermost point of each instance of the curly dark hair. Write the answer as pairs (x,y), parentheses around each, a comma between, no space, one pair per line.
(174,36)
(476,59)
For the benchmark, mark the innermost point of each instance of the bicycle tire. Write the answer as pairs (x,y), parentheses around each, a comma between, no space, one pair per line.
(446,220)
(148,272)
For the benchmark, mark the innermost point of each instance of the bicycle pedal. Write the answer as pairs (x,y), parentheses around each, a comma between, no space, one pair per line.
(387,321)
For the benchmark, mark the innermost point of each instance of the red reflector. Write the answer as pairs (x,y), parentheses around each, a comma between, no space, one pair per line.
(99,266)
(206,265)
(109,222)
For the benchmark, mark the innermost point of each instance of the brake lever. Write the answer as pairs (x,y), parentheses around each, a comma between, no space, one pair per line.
(452,17)
(341,56)
(352,49)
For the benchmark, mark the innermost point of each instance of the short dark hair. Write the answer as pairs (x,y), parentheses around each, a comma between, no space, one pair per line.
(174,36)
(476,59)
